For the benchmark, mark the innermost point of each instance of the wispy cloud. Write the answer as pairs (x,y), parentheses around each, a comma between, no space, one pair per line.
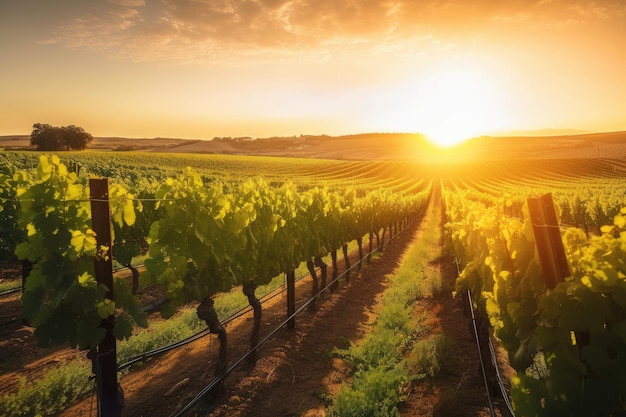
(184,30)
(105,29)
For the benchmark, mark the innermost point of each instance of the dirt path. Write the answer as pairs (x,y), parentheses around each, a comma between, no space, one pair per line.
(297,373)
(458,389)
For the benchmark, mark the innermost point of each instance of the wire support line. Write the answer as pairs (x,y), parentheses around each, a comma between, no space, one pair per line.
(87,200)
(551,226)
(139,358)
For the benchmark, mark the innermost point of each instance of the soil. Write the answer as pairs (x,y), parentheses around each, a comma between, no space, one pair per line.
(296,373)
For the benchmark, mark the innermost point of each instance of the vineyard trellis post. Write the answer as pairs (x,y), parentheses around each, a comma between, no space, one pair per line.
(291,298)
(548,239)
(27,267)
(105,359)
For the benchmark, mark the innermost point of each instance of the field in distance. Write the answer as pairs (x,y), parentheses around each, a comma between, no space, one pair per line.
(369,146)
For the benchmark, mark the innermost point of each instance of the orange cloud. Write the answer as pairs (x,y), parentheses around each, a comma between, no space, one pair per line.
(187,30)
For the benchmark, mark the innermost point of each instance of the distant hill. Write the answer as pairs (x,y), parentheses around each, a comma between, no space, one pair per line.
(588,145)
(370,146)
(543,132)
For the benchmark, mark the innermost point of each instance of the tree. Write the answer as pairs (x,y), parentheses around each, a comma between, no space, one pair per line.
(75,137)
(46,137)
(53,138)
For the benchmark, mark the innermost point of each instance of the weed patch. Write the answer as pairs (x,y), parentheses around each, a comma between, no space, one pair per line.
(393,354)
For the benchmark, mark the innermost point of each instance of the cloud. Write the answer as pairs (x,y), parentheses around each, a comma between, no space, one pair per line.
(187,30)
(604,10)
(103,29)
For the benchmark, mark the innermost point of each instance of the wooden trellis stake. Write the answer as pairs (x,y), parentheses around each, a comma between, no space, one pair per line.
(554,267)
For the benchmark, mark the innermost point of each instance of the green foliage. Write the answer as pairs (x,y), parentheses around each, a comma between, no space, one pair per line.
(53,138)
(577,326)
(202,238)
(11,234)
(209,240)
(375,392)
(53,393)
(161,334)
(62,299)
(426,356)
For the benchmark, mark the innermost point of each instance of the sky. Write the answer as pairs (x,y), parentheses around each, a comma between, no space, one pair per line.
(450,69)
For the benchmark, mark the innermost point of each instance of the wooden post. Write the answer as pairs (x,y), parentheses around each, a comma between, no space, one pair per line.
(552,257)
(27,267)
(109,400)
(291,298)
(346,259)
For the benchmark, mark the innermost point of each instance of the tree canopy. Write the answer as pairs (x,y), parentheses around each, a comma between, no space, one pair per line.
(54,138)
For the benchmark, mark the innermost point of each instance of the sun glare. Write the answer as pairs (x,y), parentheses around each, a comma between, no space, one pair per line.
(454,103)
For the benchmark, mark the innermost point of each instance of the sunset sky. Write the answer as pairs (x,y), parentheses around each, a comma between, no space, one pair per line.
(451,69)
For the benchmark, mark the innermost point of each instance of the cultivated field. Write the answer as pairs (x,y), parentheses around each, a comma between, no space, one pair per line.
(384,331)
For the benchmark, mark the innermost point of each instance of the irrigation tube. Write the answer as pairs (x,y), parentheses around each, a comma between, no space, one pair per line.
(480,356)
(270,295)
(499,377)
(221,377)
(158,351)
(10,291)
(492,353)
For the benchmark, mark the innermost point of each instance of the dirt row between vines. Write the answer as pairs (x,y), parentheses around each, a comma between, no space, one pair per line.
(166,383)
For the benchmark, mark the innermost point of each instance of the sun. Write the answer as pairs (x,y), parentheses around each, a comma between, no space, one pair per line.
(463,103)
(447,137)
(453,103)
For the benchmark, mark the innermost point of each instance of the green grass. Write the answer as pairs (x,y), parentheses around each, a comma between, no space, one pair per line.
(394,353)
(10,285)
(60,387)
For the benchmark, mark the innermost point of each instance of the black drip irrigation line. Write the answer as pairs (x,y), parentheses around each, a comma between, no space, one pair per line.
(10,291)
(155,352)
(139,358)
(492,354)
(12,321)
(221,377)
(503,392)
(480,356)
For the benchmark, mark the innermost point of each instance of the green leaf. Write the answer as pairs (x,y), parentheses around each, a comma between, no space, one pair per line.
(25,251)
(169,309)
(128,211)
(90,333)
(73,192)
(106,308)
(88,281)
(123,328)
(596,358)
(606,229)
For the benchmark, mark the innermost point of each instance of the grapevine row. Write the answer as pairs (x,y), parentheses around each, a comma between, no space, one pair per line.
(568,343)
(201,240)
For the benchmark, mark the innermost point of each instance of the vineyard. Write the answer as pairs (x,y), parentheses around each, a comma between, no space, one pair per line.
(225,255)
